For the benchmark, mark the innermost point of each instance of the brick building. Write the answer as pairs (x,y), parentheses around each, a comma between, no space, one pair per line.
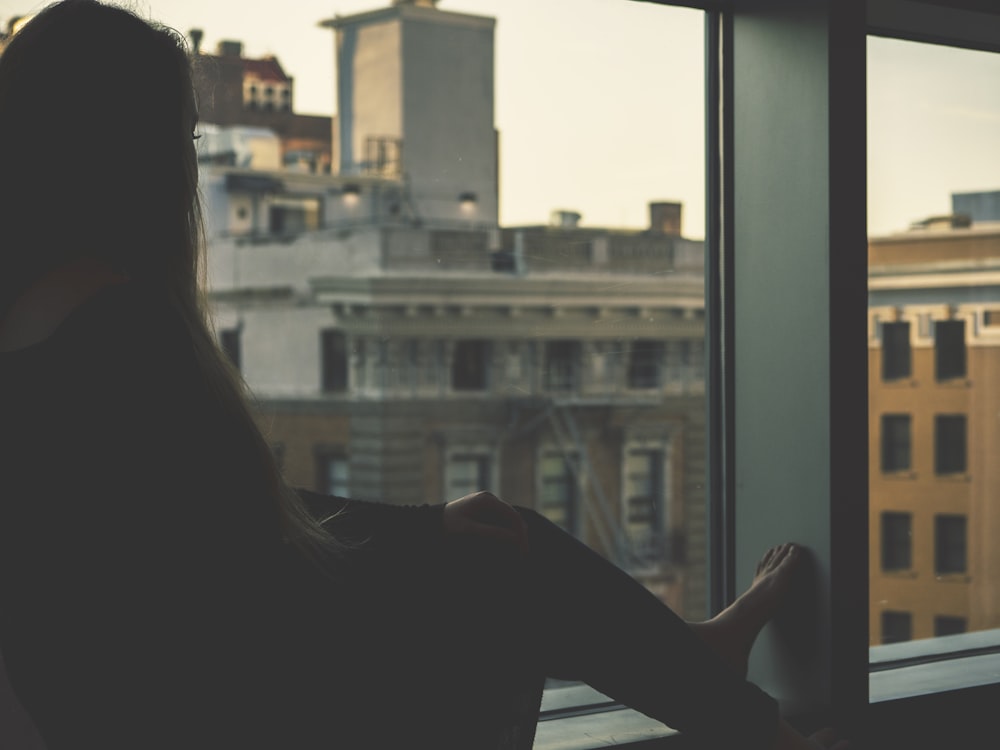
(934,390)
(234,90)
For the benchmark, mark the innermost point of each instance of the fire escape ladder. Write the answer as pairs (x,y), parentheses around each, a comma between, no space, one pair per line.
(566,432)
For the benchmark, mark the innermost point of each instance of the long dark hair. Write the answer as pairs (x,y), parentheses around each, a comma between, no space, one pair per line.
(97,114)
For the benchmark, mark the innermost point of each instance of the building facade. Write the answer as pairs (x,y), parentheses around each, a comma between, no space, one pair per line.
(934,399)
(233,90)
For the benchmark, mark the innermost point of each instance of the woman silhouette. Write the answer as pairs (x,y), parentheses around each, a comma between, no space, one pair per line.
(160,585)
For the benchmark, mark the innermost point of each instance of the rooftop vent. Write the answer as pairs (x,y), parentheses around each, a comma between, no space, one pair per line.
(565,219)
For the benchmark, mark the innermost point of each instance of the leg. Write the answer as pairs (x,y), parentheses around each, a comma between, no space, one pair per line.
(597,624)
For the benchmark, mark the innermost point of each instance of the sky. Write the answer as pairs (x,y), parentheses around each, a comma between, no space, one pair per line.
(600,103)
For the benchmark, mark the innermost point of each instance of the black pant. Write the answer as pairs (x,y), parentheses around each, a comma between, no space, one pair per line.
(564,611)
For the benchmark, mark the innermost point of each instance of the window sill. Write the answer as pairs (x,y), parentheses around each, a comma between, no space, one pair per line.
(577,717)
(901,475)
(933,665)
(956,476)
(957,382)
(899,573)
(904,382)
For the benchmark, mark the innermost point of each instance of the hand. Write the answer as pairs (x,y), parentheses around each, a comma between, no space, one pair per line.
(484,514)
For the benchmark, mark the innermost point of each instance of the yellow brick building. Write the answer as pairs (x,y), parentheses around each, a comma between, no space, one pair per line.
(934,423)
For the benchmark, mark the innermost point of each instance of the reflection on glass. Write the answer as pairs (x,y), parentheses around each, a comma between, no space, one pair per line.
(934,340)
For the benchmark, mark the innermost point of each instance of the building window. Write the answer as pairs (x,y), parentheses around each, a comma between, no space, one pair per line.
(896,626)
(949,444)
(334,361)
(558,488)
(949,349)
(562,360)
(896,358)
(468,473)
(897,541)
(278,451)
(334,474)
(644,490)
(470,365)
(229,341)
(949,544)
(948,625)
(645,358)
(895,442)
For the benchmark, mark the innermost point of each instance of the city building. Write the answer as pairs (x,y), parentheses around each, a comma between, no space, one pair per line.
(934,372)
(404,347)
(415,102)
(237,91)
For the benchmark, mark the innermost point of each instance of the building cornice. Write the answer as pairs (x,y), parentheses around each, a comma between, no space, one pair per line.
(408,13)
(604,290)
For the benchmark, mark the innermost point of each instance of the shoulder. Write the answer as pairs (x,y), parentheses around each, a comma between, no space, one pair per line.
(42,309)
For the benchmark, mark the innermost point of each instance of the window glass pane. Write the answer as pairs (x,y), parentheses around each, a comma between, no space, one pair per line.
(334,474)
(479,264)
(897,541)
(229,340)
(895,442)
(557,494)
(896,626)
(895,350)
(934,339)
(470,365)
(949,349)
(949,443)
(950,541)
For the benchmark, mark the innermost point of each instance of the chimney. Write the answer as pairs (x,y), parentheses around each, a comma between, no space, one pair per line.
(565,219)
(196,37)
(229,48)
(665,218)
(418,3)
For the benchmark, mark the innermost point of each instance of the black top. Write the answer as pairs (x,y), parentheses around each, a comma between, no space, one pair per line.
(146,598)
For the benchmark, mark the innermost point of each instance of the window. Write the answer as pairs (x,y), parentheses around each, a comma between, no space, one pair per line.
(897,542)
(949,349)
(334,474)
(229,340)
(470,365)
(798,277)
(896,627)
(948,625)
(461,377)
(896,358)
(278,451)
(949,444)
(334,361)
(932,237)
(558,488)
(644,490)
(562,360)
(468,473)
(645,360)
(949,544)
(895,442)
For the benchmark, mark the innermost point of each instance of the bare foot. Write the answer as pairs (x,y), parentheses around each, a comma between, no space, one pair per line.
(732,632)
